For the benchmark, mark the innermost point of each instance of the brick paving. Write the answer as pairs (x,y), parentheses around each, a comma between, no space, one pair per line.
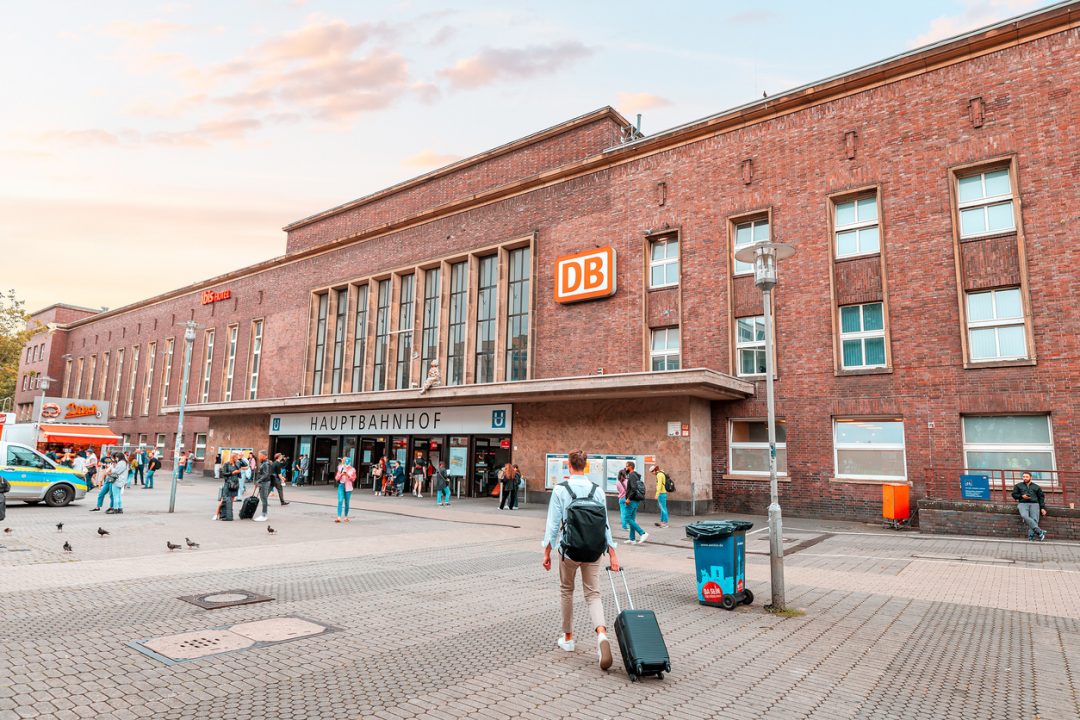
(449,615)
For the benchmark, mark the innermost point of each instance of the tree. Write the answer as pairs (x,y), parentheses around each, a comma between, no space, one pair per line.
(14,334)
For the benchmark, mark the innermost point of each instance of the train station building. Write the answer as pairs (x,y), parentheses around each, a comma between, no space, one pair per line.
(577,288)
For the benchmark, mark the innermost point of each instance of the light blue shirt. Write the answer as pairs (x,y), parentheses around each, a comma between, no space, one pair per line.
(560,500)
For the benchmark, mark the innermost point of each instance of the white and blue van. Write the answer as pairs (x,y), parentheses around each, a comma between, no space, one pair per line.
(33,478)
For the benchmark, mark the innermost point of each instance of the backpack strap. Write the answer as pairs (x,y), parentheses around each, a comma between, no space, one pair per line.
(566,486)
(592,492)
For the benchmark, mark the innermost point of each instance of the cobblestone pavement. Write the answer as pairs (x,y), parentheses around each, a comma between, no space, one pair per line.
(445,613)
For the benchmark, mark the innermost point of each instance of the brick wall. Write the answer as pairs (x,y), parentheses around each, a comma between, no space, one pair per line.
(943,517)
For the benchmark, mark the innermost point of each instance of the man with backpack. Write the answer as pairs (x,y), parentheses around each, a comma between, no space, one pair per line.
(663,486)
(577,524)
(635,495)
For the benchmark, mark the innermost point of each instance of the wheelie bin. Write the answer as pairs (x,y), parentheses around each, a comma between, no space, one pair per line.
(720,557)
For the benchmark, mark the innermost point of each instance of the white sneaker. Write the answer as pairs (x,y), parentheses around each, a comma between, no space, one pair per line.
(642,539)
(214,517)
(603,651)
(261,518)
(567,645)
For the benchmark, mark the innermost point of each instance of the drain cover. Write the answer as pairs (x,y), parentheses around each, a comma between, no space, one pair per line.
(172,649)
(225,598)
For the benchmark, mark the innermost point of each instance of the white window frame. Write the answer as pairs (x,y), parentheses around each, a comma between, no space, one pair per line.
(159,444)
(667,352)
(744,345)
(91,383)
(148,378)
(103,391)
(902,447)
(1045,483)
(67,376)
(858,226)
(132,386)
(733,446)
(166,375)
(256,358)
(862,336)
(119,382)
(200,446)
(208,364)
(984,202)
(664,262)
(739,267)
(995,323)
(230,361)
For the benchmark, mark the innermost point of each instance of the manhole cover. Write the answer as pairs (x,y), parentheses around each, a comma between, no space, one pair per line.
(172,649)
(225,598)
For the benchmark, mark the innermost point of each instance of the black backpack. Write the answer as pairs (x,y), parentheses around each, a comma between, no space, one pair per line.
(584,532)
(669,484)
(635,488)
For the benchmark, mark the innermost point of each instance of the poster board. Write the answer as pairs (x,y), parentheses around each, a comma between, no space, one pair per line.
(459,458)
(601,469)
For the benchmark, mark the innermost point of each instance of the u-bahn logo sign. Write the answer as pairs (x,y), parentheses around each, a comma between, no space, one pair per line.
(585,275)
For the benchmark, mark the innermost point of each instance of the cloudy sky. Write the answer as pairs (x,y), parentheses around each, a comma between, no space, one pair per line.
(145,145)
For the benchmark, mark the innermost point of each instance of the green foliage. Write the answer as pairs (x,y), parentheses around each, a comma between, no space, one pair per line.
(13,337)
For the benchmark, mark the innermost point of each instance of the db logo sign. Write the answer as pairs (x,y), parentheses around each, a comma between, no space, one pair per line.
(585,275)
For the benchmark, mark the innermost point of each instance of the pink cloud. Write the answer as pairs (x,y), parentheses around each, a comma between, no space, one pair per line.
(332,39)
(429,159)
(976,14)
(493,64)
(147,33)
(630,103)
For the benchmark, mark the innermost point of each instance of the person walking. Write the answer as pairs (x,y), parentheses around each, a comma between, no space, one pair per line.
(563,525)
(511,481)
(229,487)
(264,477)
(661,495)
(304,462)
(136,467)
(191,462)
(153,464)
(246,463)
(419,473)
(181,465)
(620,490)
(118,480)
(1031,502)
(346,479)
(217,466)
(442,485)
(635,495)
(377,478)
(78,464)
(399,478)
(105,483)
(91,467)
(277,478)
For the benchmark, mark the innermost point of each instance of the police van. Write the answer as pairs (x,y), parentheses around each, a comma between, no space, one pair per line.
(31,477)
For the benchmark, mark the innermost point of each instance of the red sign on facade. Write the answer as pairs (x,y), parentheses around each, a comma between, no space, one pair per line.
(209,296)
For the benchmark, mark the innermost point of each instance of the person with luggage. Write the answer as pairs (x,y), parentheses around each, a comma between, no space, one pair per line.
(1031,503)
(577,525)
(442,485)
(264,478)
(661,494)
(635,495)
(230,485)
(346,479)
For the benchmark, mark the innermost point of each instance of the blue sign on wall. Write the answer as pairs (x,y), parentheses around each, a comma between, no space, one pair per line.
(975,487)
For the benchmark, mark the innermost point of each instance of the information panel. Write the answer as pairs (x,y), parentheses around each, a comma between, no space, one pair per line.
(601,469)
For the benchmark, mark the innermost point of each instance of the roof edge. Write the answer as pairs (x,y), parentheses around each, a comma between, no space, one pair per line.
(66,306)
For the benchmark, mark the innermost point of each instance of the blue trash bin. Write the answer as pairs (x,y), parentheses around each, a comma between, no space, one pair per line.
(720,560)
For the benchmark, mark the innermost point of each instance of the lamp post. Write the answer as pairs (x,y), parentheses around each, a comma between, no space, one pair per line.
(43,382)
(764,256)
(189,341)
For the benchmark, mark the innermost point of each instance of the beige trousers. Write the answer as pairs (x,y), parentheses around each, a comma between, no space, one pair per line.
(590,585)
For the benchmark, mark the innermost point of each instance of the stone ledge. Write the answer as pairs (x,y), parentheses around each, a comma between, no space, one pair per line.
(988,519)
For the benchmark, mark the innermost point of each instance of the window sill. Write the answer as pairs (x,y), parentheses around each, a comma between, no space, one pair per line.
(868,481)
(988,236)
(658,288)
(867,371)
(761,478)
(978,364)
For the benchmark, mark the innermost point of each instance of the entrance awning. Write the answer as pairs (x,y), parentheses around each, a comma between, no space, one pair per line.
(78,434)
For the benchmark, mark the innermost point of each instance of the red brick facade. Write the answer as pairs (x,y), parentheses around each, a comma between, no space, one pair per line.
(901,130)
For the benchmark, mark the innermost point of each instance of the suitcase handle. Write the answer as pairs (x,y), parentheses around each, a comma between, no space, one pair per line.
(629,600)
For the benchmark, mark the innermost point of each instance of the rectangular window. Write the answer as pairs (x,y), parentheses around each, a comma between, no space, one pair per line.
(159,444)
(142,440)
(208,366)
(855,224)
(200,446)
(131,384)
(748,233)
(103,392)
(870,449)
(996,325)
(320,345)
(487,300)
(985,203)
(517,315)
(429,349)
(340,314)
(382,335)
(663,263)
(406,319)
(862,336)
(256,358)
(166,372)
(359,339)
(1010,442)
(79,376)
(748,448)
(750,345)
(93,377)
(148,379)
(459,304)
(230,361)
(67,377)
(664,352)
(119,381)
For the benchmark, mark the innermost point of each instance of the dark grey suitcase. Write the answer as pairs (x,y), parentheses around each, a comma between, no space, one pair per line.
(249,505)
(641,643)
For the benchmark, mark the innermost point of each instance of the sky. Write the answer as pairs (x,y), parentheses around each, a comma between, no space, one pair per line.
(147,145)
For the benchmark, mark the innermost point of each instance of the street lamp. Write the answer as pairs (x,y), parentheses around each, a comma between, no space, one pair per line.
(189,341)
(764,256)
(43,382)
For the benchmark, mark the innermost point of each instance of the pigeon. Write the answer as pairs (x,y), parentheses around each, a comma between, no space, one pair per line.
(59,527)
(191,543)
(102,532)
(271,530)
(67,547)
(171,546)
(8,531)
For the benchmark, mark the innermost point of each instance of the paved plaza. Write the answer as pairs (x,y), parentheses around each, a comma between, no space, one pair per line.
(413,611)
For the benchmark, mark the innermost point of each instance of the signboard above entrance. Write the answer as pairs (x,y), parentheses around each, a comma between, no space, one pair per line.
(585,275)
(70,410)
(459,420)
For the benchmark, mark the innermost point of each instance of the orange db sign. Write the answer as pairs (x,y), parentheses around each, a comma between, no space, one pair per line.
(585,275)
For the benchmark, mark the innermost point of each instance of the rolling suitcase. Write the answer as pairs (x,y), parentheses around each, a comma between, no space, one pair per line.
(641,643)
(249,506)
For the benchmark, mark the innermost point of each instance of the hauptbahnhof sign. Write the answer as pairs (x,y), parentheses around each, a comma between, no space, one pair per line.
(459,420)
